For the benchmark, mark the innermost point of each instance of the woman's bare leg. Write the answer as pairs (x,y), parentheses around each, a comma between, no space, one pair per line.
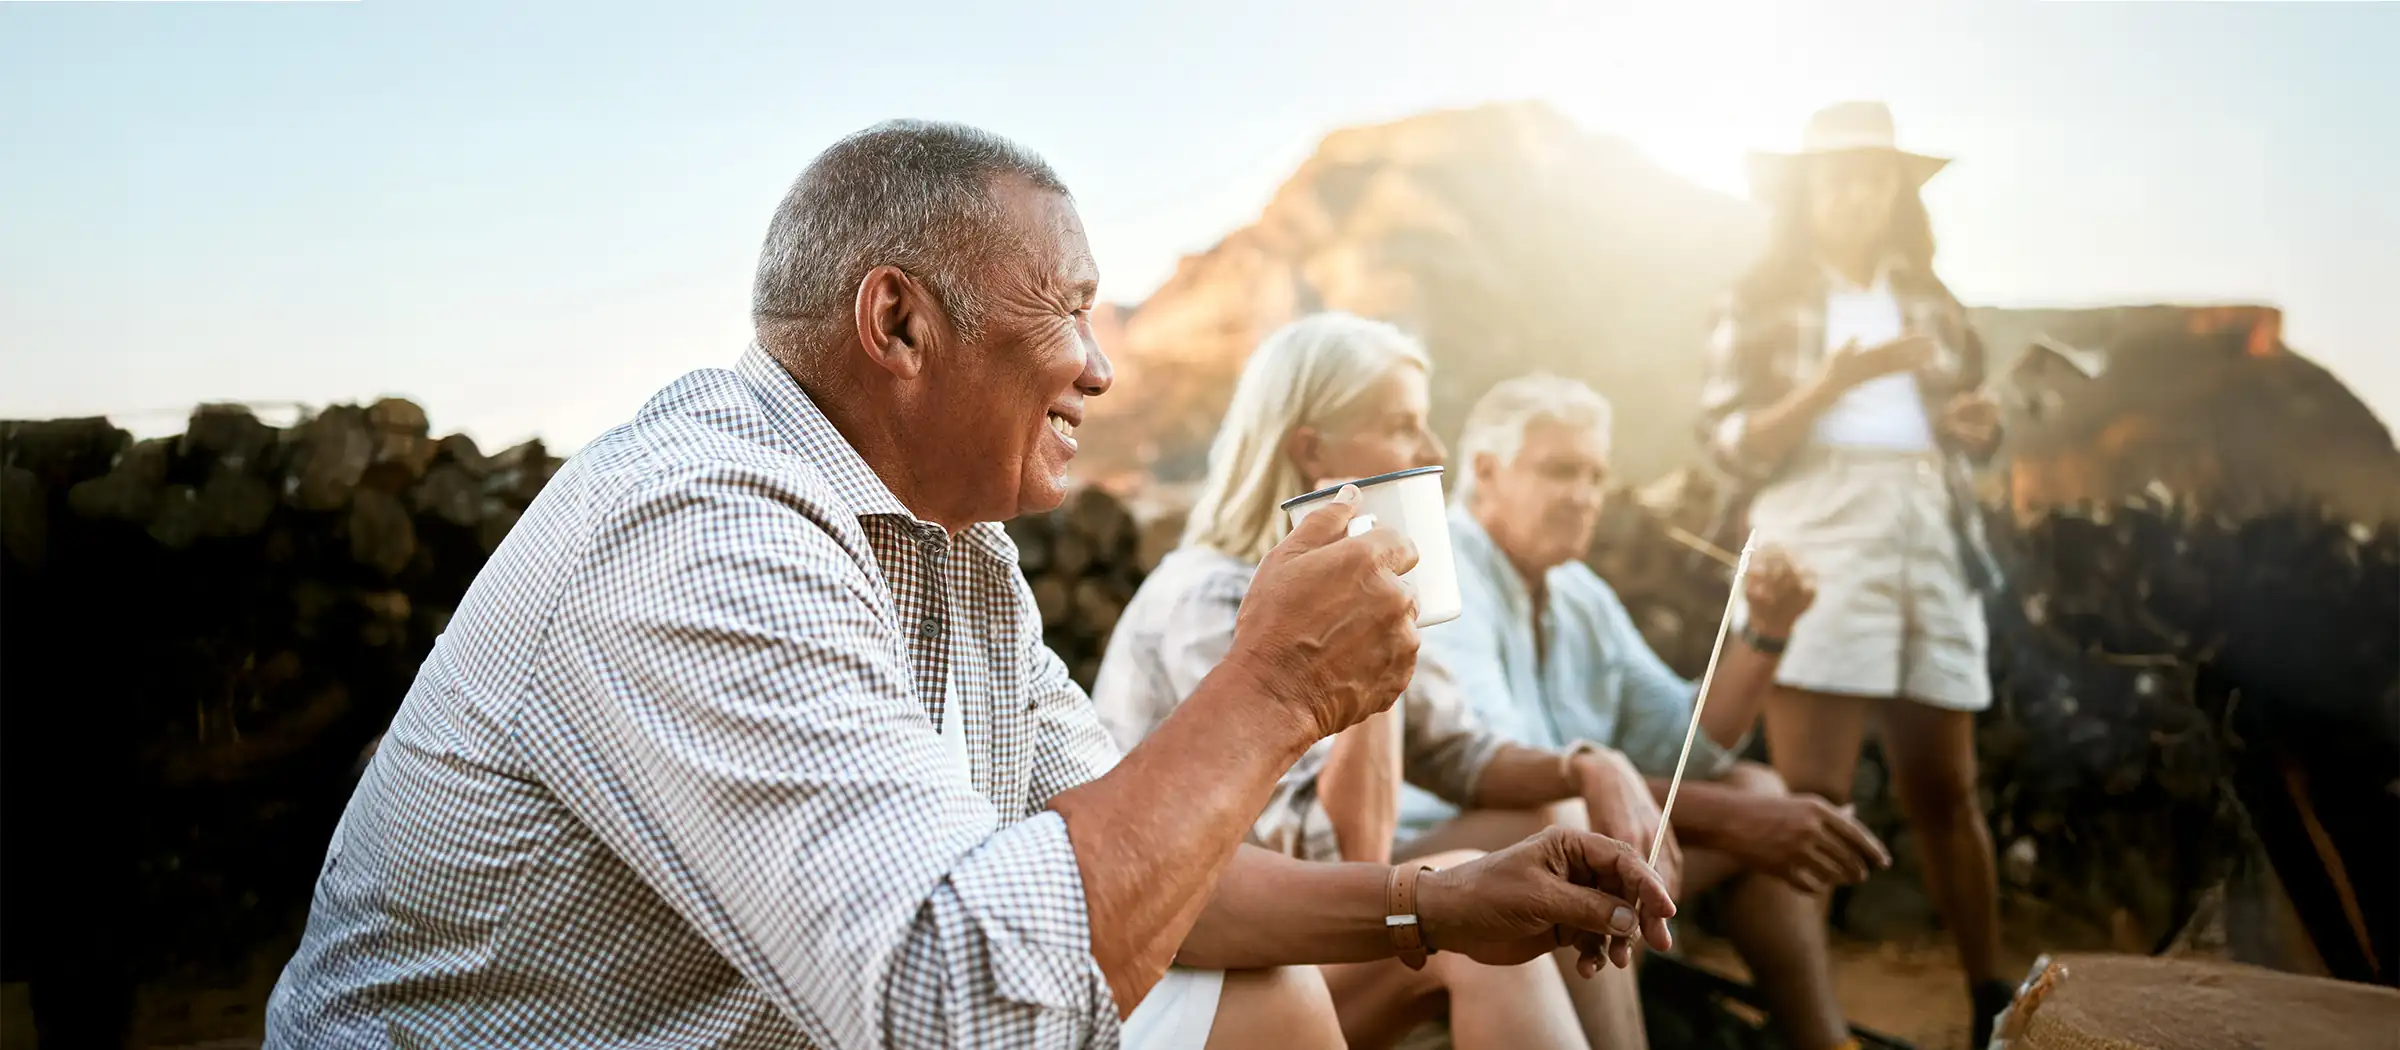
(1489,1007)
(1932,755)
(1486,830)
(1285,1006)
(1609,1003)
(1813,740)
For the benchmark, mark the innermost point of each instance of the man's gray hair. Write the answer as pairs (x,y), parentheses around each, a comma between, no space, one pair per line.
(1496,426)
(914,194)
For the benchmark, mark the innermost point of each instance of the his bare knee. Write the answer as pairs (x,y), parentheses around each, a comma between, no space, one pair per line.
(1838,794)
(1568,813)
(1751,778)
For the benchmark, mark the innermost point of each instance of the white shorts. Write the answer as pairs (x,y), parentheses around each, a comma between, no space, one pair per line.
(1894,615)
(1177,1013)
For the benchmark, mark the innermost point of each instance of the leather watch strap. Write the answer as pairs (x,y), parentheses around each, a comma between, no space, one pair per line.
(1765,645)
(1400,914)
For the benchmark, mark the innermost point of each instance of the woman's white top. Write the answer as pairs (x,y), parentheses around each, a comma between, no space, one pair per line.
(1884,412)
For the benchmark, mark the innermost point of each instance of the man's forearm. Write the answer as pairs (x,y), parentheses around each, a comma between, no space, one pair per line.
(1153,834)
(1272,910)
(1706,813)
(1520,777)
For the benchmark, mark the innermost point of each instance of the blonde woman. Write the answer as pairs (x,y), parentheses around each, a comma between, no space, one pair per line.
(1331,397)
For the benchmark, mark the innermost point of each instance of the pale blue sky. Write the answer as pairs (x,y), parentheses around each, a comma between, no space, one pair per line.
(530,216)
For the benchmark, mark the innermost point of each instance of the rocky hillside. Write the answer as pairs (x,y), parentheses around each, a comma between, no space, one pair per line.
(1511,241)
(1505,236)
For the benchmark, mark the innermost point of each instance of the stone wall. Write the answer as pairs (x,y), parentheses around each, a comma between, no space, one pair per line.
(201,632)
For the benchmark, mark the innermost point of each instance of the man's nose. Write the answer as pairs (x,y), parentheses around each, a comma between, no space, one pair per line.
(1098,375)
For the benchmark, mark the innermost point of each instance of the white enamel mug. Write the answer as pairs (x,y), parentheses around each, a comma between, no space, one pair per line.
(1409,501)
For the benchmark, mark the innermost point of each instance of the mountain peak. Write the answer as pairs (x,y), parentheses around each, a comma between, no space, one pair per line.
(1503,235)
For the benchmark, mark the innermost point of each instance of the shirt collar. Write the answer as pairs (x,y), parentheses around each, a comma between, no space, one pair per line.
(1475,546)
(803,428)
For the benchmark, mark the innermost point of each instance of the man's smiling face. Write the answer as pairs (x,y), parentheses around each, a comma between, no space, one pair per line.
(1019,387)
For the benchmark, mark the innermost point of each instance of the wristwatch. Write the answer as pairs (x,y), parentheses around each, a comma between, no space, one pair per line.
(1400,914)
(1762,643)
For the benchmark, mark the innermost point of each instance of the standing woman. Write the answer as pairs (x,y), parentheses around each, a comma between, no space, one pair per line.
(1842,395)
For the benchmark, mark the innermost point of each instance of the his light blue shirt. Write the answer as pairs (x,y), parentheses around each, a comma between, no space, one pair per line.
(1597,679)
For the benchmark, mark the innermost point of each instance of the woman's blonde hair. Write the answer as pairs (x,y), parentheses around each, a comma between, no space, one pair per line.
(1304,375)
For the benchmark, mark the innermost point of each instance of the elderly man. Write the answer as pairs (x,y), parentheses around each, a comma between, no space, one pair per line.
(1550,657)
(746,736)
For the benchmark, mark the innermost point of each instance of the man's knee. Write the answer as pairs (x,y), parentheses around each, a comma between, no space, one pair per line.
(1282,1006)
(1826,787)
(1568,813)
(1751,778)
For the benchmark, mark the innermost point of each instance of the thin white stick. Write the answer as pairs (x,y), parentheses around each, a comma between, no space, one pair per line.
(1725,623)
(1703,546)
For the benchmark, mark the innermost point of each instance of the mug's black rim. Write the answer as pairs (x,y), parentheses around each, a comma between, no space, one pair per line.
(1311,497)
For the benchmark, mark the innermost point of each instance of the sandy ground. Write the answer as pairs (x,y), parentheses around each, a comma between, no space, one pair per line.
(1913,991)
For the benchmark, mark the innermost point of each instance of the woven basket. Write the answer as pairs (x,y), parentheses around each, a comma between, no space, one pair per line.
(2131,1002)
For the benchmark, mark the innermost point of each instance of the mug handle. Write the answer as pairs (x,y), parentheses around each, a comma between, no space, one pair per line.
(1360,524)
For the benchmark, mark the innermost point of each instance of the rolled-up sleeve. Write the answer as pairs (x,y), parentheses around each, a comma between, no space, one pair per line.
(1657,705)
(1444,746)
(728,709)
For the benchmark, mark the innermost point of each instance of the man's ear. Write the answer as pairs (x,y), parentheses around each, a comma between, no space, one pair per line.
(898,319)
(1486,469)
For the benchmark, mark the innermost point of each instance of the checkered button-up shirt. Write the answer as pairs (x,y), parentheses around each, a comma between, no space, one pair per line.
(673,777)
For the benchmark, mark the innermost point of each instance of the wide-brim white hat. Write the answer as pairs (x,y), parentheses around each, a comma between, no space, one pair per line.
(1844,127)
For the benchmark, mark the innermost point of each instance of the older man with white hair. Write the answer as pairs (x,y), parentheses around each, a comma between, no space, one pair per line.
(1550,658)
(746,737)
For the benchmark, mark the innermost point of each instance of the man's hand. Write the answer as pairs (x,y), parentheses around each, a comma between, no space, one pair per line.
(1972,422)
(1557,888)
(1777,592)
(1617,799)
(1854,364)
(1806,841)
(1327,625)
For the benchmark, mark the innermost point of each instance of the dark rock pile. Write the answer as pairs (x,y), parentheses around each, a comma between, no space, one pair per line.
(2260,658)
(1084,561)
(201,633)
(2160,679)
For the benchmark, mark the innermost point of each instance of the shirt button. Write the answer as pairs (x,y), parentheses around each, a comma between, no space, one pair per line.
(929,628)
